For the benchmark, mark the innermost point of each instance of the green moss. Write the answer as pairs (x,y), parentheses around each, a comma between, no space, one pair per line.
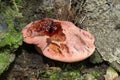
(5,60)
(66,72)
(88,76)
(11,39)
(96,74)
(61,75)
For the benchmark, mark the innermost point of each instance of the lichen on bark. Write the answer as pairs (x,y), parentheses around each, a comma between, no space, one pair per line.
(102,18)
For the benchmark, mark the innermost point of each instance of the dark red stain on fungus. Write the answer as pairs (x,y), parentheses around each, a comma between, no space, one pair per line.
(50,28)
(45,27)
(55,48)
(58,37)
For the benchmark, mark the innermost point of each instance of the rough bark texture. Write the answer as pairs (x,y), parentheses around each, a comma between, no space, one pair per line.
(102,18)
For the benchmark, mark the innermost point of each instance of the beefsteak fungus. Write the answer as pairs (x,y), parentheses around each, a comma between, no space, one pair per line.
(59,40)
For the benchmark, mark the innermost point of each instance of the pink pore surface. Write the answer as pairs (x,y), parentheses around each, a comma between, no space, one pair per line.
(59,40)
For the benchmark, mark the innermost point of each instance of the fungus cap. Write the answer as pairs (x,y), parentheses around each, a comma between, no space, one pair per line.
(59,40)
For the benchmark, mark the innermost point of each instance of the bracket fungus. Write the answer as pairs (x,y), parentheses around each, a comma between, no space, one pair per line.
(59,40)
